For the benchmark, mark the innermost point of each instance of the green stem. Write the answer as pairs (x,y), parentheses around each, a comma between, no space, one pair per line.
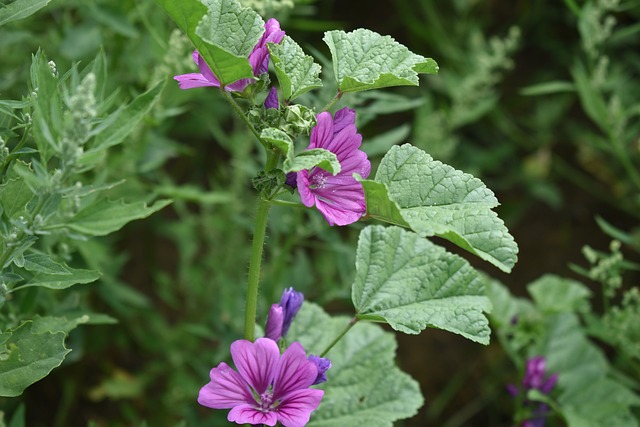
(333,101)
(339,337)
(286,203)
(255,261)
(240,113)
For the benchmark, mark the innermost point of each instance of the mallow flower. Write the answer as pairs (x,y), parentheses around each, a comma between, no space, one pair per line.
(534,379)
(281,315)
(267,387)
(258,58)
(340,198)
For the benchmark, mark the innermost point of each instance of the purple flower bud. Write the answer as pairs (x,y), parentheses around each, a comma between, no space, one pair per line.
(549,384)
(513,390)
(534,374)
(275,320)
(291,302)
(292,179)
(272,99)
(323,366)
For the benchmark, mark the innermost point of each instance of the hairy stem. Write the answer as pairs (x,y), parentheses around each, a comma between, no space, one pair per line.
(333,101)
(238,110)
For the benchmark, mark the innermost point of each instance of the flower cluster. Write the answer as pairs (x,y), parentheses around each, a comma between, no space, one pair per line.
(268,387)
(258,58)
(534,379)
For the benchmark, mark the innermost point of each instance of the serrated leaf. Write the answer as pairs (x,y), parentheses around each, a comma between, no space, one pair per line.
(436,199)
(27,357)
(279,139)
(20,9)
(363,60)
(223,32)
(411,283)
(319,157)
(104,216)
(122,122)
(554,294)
(365,388)
(296,72)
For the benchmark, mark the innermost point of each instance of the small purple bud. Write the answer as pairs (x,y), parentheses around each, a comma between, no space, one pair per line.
(292,179)
(513,390)
(323,366)
(275,320)
(291,302)
(549,384)
(534,374)
(272,99)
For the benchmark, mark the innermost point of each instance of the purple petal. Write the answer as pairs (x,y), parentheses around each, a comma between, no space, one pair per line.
(291,301)
(295,410)
(259,57)
(204,69)
(337,216)
(256,361)
(293,372)
(193,80)
(323,365)
(248,414)
(343,118)
(292,179)
(272,99)
(306,195)
(275,320)
(534,373)
(549,384)
(226,389)
(322,133)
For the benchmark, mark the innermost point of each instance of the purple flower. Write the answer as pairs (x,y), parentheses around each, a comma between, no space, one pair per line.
(267,388)
(323,366)
(258,58)
(339,198)
(281,315)
(534,378)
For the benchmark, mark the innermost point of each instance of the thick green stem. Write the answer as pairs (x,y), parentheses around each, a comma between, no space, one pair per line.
(333,101)
(339,337)
(257,246)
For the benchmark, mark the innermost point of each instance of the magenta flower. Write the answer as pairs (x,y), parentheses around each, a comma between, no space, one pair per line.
(258,58)
(340,198)
(267,388)
(534,379)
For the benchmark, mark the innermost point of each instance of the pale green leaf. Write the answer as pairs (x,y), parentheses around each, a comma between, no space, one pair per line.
(106,216)
(364,388)
(27,357)
(556,294)
(410,283)
(363,59)
(15,195)
(279,139)
(41,263)
(436,199)
(223,32)
(75,276)
(47,114)
(20,9)
(296,72)
(122,123)
(319,157)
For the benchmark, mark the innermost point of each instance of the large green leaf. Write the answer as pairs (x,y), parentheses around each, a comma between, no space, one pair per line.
(27,357)
(106,216)
(222,31)
(363,59)
(15,195)
(365,388)
(433,198)
(589,395)
(20,9)
(555,294)
(296,72)
(411,283)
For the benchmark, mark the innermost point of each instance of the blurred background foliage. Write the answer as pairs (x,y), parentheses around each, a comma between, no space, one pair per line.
(538,99)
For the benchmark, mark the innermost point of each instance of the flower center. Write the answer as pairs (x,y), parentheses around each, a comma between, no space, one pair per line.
(266,399)
(319,180)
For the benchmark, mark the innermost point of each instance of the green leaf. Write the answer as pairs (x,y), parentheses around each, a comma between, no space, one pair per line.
(15,195)
(20,9)
(122,122)
(547,88)
(555,294)
(296,72)
(363,60)
(47,115)
(589,396)
(27,357)
(379,205)
(42,263)
(410,283)
(435,199)
(307,159)
(75,276)
(104,216)
(365,388)
(223,32)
